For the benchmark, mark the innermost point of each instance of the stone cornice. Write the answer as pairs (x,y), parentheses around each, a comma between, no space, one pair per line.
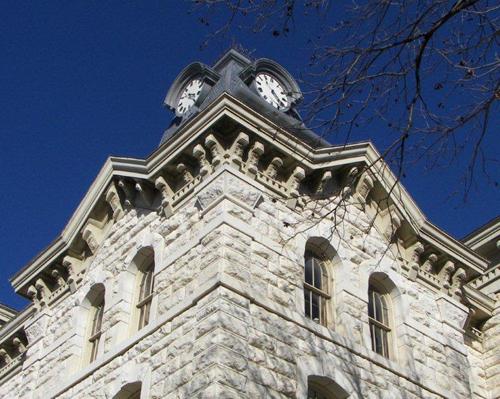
(272,135)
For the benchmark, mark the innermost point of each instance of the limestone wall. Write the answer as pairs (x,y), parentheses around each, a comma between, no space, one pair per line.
(227,314)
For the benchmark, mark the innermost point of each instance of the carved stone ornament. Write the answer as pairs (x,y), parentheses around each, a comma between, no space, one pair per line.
(200,154)
(445,274)
(349,181)
(417,251)
(428,265)
(294,181)
(239,146)
(166,195)
(59,279)
(253,157)
(273,167)
(364,188)
(323,183)
(215,149)
(457,281)
(113,199)
(186,175)
(5,356)
(92,235)
(21,348)
(125,186)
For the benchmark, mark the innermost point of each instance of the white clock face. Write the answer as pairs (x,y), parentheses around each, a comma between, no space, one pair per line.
(271,91)
(189,96)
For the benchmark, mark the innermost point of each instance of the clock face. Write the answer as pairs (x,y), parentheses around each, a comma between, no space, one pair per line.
(189,96)
(272,91)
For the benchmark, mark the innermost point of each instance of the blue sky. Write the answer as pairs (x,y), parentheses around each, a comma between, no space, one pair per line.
(83,80)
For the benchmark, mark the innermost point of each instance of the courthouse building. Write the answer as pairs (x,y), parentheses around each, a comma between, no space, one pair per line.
(248,258)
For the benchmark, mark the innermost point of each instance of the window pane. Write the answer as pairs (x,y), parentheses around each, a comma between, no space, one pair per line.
(371,312)
(315,307)
(308,274)
(307,302)
(317,273)
(97,321)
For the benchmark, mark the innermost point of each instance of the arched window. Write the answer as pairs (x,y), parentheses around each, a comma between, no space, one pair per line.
(95,299)
(379,318)
(145,269)
(316,287)
(315,392)
(129,391)
(319,387)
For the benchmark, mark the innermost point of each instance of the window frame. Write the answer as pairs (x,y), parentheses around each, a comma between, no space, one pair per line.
(146,292)
(310,289)
(380,325)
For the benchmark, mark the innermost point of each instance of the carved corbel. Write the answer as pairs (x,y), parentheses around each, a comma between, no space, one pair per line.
(393,225)
(145,193)
(5,356)
(75,268)
(445,275)
(59,279)
(363,189)
(294,181)
(253,157)
(200,154)
(428,265)
(113,199)
(125,186)
(417,250)
(273,167)
(238,147)
(186,175)
(21,348)
(215,149)
(43,290)
(457,281)
(166,195)
(323,183)
(32,292)
(349,181)
(92,235)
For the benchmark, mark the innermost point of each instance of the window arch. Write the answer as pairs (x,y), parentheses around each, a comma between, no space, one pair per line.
(95,304)
(129,391)
(144,261)
(380,316)
(317,285)
(319,387)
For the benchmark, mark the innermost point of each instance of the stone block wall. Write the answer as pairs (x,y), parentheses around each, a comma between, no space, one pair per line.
(227,314)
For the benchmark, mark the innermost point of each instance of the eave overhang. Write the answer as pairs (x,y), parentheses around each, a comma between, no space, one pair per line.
(226,106)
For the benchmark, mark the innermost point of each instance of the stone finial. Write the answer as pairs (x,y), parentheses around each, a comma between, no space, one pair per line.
(253,157)
(417,251)
(5,356)
(294,180)
(273,167)
(215,149)
(445,274)
(21,348)
(92,235)
(238,147)
(186,175)
(457,281)
(113,199)
(58,277)
(428,265)
(128,191)
(201,155)
(166,193)
(323,183)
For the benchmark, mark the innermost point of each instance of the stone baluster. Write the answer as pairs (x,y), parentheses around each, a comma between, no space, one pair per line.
(417,250)
(166,193)
(128,191)
(186,175)
(113,199)
(201,155)
(215,149)
(58,277)
(428,265)
(444,275)
(323,183)
(457,281)
(21,348)
(253,157)
(5,356)
(238,147)
(273,167)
